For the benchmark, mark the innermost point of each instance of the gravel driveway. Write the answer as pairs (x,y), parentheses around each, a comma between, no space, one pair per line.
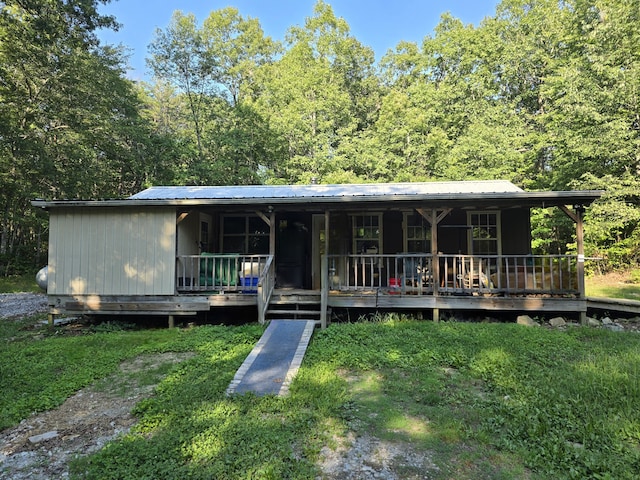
(22,304)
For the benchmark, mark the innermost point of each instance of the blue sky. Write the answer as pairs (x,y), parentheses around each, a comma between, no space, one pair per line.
(379,24)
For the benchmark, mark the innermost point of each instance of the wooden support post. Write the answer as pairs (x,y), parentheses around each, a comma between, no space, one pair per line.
(272,234)
(577,217)
(324,274)
(435,261)
(172,322)
(51,319)
(580,263)
(324,291)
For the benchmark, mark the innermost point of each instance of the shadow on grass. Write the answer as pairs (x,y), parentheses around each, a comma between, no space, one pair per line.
(190,429)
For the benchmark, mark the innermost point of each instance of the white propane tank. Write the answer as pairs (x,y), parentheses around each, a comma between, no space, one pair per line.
(41,277)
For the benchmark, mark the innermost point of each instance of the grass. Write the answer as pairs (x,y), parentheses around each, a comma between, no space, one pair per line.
(485,401)
(625,285)
(19,283)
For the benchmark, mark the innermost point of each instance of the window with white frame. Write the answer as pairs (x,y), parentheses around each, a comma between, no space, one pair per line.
(484,233)
(366,232)
(245,234)
(417,233)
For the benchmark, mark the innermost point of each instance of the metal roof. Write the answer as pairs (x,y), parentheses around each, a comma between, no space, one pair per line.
(478,193)
(268,192)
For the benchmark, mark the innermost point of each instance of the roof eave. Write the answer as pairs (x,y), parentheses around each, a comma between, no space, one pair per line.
(546,198)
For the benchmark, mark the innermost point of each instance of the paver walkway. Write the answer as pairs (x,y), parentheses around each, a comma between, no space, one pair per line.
(274,361)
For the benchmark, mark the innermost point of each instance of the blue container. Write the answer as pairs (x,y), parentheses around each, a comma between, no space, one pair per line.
(250,284)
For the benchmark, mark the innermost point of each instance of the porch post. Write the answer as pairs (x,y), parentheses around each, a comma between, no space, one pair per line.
(324,274)
(272,234)
(580,265)
(576,216)
(435,261)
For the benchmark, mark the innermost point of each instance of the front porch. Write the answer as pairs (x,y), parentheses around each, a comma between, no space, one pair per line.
(399,281)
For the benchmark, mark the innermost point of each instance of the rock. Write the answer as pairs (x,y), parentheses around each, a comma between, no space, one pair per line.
(606,321)
(527,321)
(557,322)
(43,437)
(593,322)
(614,327)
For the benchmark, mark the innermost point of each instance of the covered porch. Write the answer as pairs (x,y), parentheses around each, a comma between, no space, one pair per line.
(400,281)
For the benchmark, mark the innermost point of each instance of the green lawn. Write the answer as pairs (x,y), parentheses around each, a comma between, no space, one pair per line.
(19,283)
(486,401)
(624,285)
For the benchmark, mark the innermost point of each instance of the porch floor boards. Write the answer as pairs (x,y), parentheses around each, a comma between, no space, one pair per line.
(274,361)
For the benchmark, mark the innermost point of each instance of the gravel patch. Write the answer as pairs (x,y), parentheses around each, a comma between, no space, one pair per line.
(367,457)
(41,446)
(14,305)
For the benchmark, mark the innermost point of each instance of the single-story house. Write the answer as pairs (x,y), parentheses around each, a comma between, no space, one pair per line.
(302,250)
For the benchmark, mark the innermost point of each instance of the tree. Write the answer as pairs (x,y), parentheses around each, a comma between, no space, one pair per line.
(321,92)
(177,57)
(594,106)
(612,229)
(212,69)
(444,116)
(69,120)
(234,48)
(40,42)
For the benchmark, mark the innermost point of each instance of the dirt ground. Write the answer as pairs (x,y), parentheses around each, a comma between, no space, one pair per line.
(41,446)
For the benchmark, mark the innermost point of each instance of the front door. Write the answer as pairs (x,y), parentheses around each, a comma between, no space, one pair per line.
(291,253)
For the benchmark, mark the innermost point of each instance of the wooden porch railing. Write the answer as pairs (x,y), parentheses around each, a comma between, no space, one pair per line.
(398,273)
(266,284)
(414,274)
(219,273)
(509,274)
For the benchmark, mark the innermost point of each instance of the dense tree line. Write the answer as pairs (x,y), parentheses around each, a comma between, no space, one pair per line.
(544,93)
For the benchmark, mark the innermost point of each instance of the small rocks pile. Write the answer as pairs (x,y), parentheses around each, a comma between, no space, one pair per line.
(617,325)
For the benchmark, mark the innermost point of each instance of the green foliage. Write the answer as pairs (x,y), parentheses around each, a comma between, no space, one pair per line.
(612,224)
(69,120)
(19,283)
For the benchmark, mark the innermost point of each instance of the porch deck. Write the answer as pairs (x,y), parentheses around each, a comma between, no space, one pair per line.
(406,281)
(400,281)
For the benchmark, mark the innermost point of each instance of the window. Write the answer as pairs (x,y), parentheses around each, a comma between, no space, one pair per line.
(246,234)
(485,233)
(204,236)
(366,232)
(417,236)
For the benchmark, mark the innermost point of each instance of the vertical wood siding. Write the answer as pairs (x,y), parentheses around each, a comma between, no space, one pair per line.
(104,251)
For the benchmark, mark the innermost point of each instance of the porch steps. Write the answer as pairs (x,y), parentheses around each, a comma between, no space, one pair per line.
(294,305)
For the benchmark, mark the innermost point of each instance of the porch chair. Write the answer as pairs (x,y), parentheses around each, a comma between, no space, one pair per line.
(416,274)
(218,271)
(476,277)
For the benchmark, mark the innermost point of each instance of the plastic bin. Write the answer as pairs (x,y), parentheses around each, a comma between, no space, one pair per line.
(249,284)
(394,285)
